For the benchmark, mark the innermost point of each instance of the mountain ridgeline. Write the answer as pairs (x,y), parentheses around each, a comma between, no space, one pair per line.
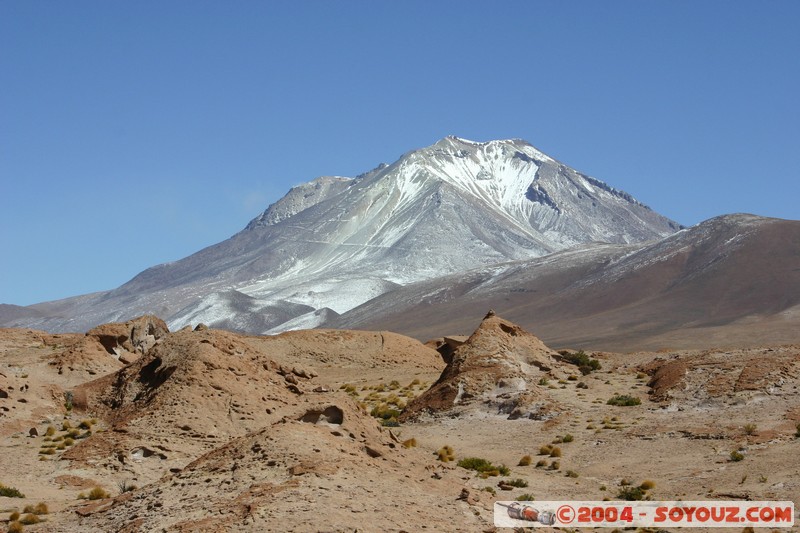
(336,243)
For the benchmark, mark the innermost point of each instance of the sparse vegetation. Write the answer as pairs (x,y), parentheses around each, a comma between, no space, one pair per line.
(555,465)
(585,364)
(630,494)
(567,438)
(490,490)
(10,492)
(623,400)
(518,482)
(526,497)
(545,450)
(572,473)
(736,456)
(478,464)
(14,527)
(68,397)
(50,431)
(29,519)
(386,413)
(13,516)
(749,429)
(124,486)
(543,382)
(555,452)
(446,454)
(98,493)
(410,443)
(540,463)
(525,460)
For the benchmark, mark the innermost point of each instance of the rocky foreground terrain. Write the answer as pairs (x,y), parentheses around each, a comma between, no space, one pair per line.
(130,427)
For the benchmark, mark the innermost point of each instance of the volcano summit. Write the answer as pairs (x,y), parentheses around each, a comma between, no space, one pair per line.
(335,243)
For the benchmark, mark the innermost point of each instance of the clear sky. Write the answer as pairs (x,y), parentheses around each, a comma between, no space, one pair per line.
(136,133)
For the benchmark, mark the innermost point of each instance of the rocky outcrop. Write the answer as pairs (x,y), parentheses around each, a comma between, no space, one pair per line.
(497,370)
(135,336)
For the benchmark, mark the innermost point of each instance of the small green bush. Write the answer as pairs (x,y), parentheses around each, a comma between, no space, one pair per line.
(527,497)
(10,492)
(475,463)
(624,400)
(736,456)
(585,364)
(540,463)
(567,438)
(490,490)
(484,467)
(749,429)
(519,483)
(631,494)
(572,473)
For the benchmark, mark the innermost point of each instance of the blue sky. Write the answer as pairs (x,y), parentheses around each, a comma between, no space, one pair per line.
(136,133)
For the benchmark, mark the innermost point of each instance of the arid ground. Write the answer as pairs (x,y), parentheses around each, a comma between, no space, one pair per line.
(132,428)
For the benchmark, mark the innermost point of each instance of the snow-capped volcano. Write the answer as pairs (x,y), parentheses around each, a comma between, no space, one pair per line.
(334,243)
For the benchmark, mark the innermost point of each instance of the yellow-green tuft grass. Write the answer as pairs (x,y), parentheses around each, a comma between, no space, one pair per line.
(647,484)
(446,454)
(29,519)
(98,493)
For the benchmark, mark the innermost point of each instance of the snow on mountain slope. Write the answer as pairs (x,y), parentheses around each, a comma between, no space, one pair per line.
(338,242)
